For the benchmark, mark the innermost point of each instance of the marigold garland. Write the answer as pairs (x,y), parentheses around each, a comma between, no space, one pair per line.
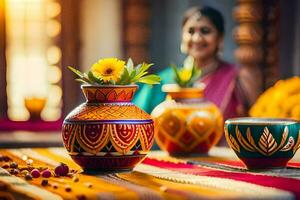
(282,100)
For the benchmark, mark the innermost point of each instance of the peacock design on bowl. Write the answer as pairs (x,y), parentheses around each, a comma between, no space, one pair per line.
(263,143)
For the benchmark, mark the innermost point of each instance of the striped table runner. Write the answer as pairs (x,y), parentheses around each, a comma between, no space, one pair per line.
(220,175)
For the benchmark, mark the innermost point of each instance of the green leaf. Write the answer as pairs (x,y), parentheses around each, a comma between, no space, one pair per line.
(143,68)
(141,71)
(146,66)
(177,76)
(94,79)
(197,74)
(195,70)
(188,65)
(150,79)
(174,67)
(77,72)
(85,76)
(137,68)
(130,66)
(111,82)
(132,75)
(124,78)
(81,80)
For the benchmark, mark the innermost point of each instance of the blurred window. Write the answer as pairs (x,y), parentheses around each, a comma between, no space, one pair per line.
(33,59)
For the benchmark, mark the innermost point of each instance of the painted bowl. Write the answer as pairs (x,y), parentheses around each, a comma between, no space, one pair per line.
(263,143)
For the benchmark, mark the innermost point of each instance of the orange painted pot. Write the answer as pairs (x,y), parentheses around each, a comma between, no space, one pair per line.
(108,132)
(187,123)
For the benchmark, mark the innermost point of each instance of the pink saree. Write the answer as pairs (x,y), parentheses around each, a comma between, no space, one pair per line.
(221,89)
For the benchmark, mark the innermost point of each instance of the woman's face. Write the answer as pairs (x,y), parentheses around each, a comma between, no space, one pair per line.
(201,38)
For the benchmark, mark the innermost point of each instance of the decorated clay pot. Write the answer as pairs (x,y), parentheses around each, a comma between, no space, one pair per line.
(263,143)
(187,123)
(108,132)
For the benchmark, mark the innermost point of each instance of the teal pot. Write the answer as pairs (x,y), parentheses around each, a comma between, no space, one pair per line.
(263,142)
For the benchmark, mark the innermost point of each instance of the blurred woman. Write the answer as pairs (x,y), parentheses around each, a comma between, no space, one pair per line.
(202,38)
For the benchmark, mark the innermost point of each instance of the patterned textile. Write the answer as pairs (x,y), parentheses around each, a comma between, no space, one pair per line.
(219,175)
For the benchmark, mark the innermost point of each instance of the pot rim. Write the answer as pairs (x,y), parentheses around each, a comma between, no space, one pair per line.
(109,86)
(261,121)
(170,88)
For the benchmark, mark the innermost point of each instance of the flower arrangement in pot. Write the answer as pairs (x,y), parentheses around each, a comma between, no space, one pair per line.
(108,132)
(187,123)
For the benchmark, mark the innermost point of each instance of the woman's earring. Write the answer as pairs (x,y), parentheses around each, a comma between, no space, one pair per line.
(184,43)
(183,47)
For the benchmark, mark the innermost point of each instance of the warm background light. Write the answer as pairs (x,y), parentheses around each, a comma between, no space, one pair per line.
(33,57)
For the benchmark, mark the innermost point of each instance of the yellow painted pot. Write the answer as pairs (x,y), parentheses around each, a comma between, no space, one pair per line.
(187,122)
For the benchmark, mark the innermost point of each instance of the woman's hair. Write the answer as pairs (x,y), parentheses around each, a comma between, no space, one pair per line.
(212,14)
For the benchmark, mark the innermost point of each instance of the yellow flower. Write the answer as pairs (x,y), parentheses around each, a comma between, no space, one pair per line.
(185,74)
(108,69)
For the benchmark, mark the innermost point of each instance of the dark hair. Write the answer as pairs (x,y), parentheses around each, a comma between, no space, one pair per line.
(212,14)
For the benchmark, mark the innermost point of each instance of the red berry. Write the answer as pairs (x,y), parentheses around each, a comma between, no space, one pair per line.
(61,170)
(35,173)
(46,173)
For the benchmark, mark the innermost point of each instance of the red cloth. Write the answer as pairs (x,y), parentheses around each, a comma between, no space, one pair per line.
(288,184)
(39,125)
